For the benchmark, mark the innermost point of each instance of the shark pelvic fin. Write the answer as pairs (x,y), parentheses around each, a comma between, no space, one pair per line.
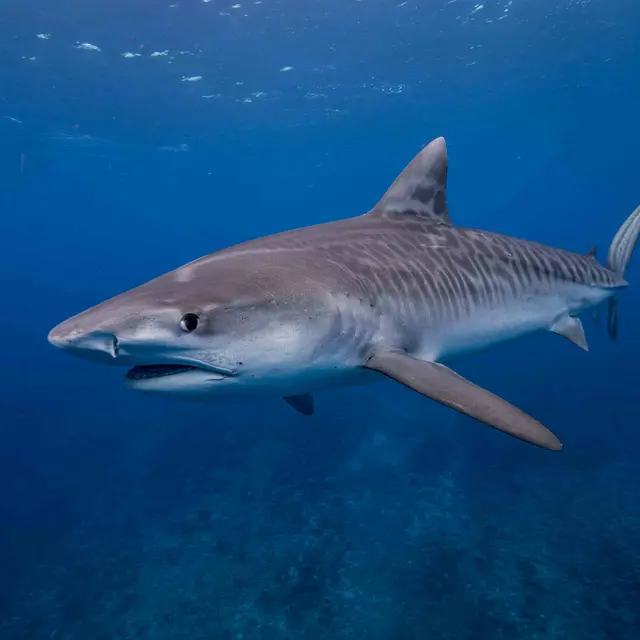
(571,328)
(421,189)
(302,404)
(445,386)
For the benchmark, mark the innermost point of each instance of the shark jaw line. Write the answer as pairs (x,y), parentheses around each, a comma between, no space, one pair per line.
(168,378)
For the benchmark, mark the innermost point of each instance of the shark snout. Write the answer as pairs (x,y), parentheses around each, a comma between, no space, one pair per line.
(97,346)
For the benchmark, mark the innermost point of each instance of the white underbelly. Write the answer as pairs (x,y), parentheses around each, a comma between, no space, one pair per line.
(304,380)
(488,326)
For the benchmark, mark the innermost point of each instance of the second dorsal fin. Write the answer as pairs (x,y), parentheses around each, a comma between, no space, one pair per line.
(420,190)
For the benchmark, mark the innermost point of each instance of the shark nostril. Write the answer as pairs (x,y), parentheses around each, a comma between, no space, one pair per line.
(98,346)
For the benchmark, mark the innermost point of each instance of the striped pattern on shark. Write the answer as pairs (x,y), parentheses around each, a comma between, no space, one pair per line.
(396,291)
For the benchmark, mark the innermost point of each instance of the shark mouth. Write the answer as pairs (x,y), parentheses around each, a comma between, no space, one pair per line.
(143,372)
(148,371)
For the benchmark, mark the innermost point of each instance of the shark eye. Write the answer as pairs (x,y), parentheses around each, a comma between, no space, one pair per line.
(189,322)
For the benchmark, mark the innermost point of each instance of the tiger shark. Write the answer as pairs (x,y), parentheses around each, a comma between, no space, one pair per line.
(392,293)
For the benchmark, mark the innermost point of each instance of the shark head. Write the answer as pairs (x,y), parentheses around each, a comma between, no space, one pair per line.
(226,322)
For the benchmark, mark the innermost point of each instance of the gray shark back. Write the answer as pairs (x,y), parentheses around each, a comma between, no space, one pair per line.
(407,260)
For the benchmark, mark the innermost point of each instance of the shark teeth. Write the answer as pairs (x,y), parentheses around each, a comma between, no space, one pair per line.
(156,371)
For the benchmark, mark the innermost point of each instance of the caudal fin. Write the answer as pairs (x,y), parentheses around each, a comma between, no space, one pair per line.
(618,259)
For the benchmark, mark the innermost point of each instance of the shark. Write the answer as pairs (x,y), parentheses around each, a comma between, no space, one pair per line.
(395,293)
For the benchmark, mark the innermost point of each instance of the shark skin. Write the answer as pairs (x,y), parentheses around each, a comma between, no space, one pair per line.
(392,293)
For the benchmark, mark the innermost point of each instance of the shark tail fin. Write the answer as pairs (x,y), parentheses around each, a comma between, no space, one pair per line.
(618,258)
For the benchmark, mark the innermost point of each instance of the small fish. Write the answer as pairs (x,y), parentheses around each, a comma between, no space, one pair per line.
(87,46)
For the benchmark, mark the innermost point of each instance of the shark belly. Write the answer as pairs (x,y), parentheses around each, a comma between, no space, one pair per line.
(488,325)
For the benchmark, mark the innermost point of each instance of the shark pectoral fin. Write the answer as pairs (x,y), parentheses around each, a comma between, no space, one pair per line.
(302,403)
(447,387)
(571,328)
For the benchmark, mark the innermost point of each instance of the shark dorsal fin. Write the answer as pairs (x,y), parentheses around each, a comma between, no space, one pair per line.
(421,189)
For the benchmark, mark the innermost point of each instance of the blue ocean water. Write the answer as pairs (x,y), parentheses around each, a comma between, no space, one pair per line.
(139,135)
